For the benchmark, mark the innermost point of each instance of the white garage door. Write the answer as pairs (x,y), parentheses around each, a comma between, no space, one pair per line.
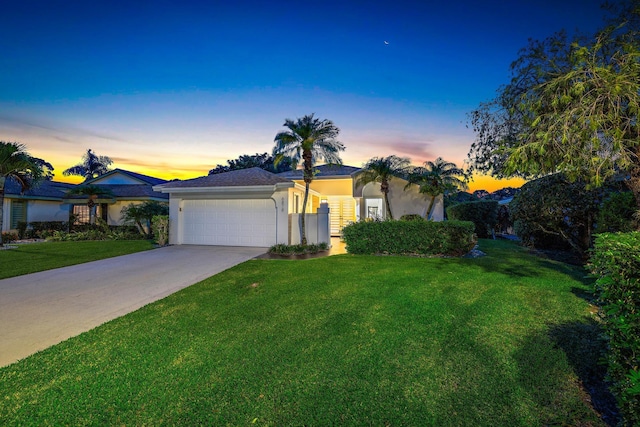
(229,222)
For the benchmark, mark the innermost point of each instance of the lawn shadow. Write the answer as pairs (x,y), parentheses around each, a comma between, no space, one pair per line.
(583,348)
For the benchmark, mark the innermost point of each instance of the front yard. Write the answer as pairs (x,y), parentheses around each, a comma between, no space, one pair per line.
(34,257)
(503,340)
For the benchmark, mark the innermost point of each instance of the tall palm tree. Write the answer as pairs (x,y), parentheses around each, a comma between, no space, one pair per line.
(382,169)
(436,178)
(17,164)
(92,192)
(308,140)
(91,166)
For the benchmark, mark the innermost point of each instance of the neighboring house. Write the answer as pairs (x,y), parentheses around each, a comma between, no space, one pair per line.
(41,203)
(49,200)
(253,207)
(125,186)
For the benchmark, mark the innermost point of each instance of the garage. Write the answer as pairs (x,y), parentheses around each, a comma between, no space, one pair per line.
(250,222)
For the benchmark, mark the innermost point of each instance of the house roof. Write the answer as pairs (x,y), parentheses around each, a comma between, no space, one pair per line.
(323,171)
(44,190)
(238,178)
(144,179)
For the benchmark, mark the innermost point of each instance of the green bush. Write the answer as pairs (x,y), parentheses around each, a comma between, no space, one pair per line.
(411,217)
(22,229)
(616,213)
(43,229)
(282,249)
(160,226)
(452,238)
(616,262)
(483,213)
(8,237)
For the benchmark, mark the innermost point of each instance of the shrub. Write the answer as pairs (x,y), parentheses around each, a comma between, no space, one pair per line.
(282,249)
(616,262)
(160,225)
(22,229)
(411,217)
(453,238)
(483,213)
(8,237)
(43,229)
(554,213)
(616,213)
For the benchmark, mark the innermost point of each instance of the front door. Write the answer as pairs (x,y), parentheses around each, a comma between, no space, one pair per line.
(342,211)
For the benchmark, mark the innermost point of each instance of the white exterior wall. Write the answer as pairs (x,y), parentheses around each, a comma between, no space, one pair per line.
(41,210)
(409,202)
(316,227)
(37,210)
(280,200)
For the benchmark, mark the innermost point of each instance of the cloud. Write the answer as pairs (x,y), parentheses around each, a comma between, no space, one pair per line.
(419,149)
(66,134)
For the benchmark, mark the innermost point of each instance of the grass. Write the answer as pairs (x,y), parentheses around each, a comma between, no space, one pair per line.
(344,340)
(34,257)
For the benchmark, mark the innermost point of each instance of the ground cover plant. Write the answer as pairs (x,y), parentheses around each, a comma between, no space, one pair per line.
(502,340)
(34,257)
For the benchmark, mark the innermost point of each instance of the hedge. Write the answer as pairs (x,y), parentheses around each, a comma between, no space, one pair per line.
(616,262)
(451,238)
(483,213)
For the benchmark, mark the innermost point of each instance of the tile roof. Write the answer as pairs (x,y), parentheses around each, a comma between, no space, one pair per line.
(324,171)
(45,189)
(238,178)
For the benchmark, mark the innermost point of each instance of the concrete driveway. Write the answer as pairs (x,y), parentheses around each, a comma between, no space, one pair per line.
(42,309)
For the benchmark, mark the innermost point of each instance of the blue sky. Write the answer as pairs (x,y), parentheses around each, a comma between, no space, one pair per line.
(173,88)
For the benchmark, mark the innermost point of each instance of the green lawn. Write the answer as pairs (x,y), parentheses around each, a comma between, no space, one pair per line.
(343,340)
(34,257)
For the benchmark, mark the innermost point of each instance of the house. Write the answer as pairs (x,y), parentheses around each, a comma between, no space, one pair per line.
(49,200)
(125,187)
(253,207)
(41,203)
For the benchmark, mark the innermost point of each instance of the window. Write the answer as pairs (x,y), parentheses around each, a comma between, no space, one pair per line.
(81,214)
(296,203)
(18,213)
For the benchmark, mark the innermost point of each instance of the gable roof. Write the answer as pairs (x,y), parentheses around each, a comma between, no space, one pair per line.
(47,190)
(143,179)
(238,178)
(323,171)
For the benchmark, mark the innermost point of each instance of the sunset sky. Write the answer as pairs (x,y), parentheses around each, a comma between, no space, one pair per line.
(171,89)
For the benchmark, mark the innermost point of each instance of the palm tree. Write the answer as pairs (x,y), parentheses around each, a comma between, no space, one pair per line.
(17,164)
(436,178)
(308,140)
(91,166)
(92,192)
(382,169)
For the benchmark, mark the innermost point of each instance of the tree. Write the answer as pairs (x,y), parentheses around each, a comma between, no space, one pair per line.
(92,192)
(262,161)
(436,178)
(308,140)
(17,164)
(553,212)
(92,166)
(382,170)
(142,214)
(571,106)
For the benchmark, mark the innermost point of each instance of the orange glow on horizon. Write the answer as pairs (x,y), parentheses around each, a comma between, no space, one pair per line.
(491,184)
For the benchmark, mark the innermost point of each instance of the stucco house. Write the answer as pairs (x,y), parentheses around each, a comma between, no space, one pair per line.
(125,186)
(253,207)
(49,200)
(41,203)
